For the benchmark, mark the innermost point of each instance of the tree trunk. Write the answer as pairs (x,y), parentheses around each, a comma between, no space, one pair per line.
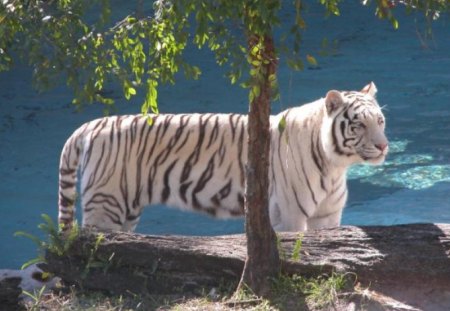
(262,263)
(410,263)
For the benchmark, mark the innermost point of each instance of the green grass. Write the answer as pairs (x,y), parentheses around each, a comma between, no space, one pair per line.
(323,292)
(289,293)
(297,292)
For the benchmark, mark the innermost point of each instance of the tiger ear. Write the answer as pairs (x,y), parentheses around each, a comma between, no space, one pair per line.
(370,89)
(333,101)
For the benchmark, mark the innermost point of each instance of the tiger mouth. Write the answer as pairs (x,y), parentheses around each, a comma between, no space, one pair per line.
(371,157)
(378,159)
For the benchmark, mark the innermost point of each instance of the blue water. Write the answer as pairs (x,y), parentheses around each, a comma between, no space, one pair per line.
(412,76)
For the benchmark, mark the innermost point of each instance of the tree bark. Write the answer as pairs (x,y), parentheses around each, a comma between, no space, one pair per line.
(262,263)
(410,263)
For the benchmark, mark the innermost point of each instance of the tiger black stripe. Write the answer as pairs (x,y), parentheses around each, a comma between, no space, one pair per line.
(134,129)
(223,193)
(66,184)
(314,152)
(140,156)
(194,156)
(166,124)
(241,200)
(281,165)
(93,135)
(94,178)
(133,217)
(227,174)
(188,131)
(65,201)
(183,143)
(106,162)
(166,190)
(299,205)
(341,196)
(308,183)
(318,161)
(204,178)
(124,176)
(151,170)
(222,150)
(67,171)
(214,133)
(234,125)
(324,165)
(337,147)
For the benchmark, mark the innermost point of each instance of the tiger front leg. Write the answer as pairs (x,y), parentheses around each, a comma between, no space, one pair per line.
(330,220)
(286,220)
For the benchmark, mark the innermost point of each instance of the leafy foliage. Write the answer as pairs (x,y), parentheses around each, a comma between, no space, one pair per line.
(430,8)
(55,242)
(76,41)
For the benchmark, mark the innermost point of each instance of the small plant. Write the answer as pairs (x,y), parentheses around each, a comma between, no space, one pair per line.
(56,243)
(317,293)
(297,248)
(92,262)
(288,284)
(295,256)
(322,292)
(244,293)
(36,298)
(244,298)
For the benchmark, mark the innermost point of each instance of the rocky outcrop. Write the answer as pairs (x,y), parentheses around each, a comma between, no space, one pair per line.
(407,263)
(9,294)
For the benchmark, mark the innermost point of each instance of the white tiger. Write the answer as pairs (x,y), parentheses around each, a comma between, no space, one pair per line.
(196,162)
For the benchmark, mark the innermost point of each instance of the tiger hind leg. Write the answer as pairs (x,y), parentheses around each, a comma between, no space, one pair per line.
(102,219)
(130,224)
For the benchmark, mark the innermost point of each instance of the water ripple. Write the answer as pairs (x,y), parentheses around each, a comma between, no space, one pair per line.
(410,171)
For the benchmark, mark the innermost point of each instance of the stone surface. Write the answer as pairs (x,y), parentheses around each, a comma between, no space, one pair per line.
(406,263)
(14,282)
(9,293)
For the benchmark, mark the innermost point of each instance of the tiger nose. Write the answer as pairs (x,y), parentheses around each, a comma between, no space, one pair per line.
(381,146)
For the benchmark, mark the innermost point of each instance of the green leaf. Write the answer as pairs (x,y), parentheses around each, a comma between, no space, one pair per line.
(297,248)
(395,23)
(256,90)
(295,64)
(255,50)
(132,91)
(33,261)
(33,238)
(272,77)
(311,60)
(151,98)
(282,125)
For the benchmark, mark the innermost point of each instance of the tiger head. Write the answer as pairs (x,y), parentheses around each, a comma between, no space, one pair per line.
(356,126)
